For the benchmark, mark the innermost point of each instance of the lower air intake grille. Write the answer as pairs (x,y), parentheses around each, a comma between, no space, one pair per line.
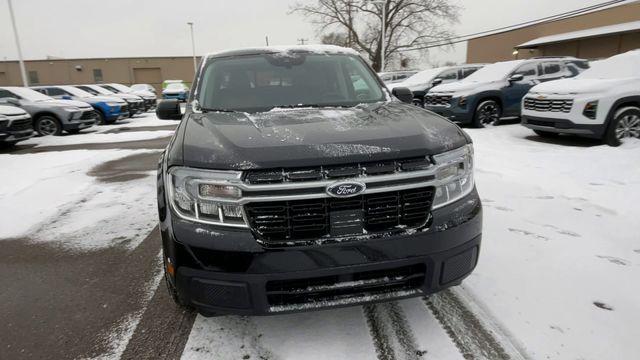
(364,285)
(301,220)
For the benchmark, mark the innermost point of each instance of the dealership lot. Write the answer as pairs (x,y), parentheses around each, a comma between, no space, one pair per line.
(82,277)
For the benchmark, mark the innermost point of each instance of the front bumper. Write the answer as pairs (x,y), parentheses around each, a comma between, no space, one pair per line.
(453,111)
(220,270)
(182,97)
(15,136)
(563,126)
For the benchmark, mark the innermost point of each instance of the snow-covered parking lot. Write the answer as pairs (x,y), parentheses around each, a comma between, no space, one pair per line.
(557,277)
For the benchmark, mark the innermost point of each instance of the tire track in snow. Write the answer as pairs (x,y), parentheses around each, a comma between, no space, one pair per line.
(391,332)
(472,336)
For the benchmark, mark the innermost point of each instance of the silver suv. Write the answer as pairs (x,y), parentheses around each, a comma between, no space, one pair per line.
(50,116)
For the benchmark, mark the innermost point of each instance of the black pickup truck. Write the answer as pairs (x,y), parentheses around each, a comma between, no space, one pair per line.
(297,181)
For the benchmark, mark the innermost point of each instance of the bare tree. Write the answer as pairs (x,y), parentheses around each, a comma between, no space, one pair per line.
(409,24)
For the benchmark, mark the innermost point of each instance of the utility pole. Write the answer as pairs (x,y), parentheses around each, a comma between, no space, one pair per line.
(302,41)
(266,39)
(193,48)
(23,70)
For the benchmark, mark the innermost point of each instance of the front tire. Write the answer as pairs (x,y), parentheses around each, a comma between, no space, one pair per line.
(487,113)
(47,125)
(624,125)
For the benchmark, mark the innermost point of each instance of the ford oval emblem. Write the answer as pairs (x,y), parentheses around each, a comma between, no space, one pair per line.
(346,189)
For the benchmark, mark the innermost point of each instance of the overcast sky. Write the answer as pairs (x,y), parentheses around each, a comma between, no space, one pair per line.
(121,28)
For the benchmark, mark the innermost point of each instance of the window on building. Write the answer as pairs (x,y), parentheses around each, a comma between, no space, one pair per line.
(33,77)
(97,75)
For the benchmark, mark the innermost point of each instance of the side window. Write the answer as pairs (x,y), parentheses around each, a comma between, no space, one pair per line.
(552,69)
(6,94)
(449,76)
(42,91)
(527,70)
(468,71)
(56,92)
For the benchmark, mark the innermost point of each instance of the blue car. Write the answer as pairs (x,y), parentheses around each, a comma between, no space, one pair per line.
(109,109)
(178,91)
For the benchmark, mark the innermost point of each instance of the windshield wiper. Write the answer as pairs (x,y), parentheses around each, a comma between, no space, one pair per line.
(206,110)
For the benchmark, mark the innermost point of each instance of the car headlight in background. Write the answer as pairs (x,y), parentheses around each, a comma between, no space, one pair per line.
(591,109)
(71,109)
(454,175)
(206,196)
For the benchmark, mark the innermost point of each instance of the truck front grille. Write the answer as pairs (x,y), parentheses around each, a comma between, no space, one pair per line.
(88,115)
(20,125)
(293,222)
(548,105)
(294,294)
(438,100)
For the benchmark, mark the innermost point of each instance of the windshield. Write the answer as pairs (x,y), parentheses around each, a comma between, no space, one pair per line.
(263,82)
(110,88)
(424,77)
(99,90)
(617,67)
(174,86)
(494,72)
(120,87)
(29,94)
(76,92)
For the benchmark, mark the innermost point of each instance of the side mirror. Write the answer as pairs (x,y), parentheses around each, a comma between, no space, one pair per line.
(403,94)
(169,110)
(436,82)
(516,78)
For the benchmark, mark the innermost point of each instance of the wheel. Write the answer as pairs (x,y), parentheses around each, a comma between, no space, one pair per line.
(488,112)
(73,131)
(48,125)
(546,134)
(102,120)
(625,125)
(418,102)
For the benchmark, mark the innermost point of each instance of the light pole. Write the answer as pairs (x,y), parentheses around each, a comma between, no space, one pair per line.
(23,71)
(382,3)
(193,48)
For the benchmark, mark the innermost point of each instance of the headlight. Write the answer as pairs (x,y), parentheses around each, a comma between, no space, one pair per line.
(3,117)
(71,108)
(455,176)
(206,196)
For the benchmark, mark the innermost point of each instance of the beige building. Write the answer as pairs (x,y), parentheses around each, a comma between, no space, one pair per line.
(593,35)
(151,70)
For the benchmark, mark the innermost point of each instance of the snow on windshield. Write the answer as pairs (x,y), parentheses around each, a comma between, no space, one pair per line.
(101,90)
(76,92)
(29,94)
(625,65)
(423,77)
(120,87)
(176,86)
(493,72)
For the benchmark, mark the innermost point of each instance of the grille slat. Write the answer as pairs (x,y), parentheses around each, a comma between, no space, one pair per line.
(304,220)
(548,105)
(438,100)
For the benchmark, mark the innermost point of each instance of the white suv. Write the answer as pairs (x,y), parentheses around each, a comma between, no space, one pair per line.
(602,102)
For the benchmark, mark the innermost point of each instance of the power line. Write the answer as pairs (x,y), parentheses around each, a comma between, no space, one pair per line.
(556,17)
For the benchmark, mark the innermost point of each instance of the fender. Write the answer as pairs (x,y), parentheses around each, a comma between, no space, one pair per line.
(477,98)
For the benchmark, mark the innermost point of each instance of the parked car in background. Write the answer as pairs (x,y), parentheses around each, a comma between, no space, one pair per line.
(422,82)
(178,91)
(50,116)
(496,91)
(395,76)
(144,87)
(136,103)
(15,125)
(108,108)
(150,99)
(326,218)
(602,102)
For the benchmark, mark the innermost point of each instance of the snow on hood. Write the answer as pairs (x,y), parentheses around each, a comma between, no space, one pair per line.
(421,80)
(576,86)
(108,99)
(75,103)
(11,110)
(459,86)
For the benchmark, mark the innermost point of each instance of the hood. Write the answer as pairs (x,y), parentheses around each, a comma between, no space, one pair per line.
(75,103)
(459,86)
(577,86)
(129,97)
(11,110)
(108,99)
(314,137)
(144,94)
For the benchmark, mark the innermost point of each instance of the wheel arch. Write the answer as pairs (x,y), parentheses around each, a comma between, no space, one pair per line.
(628,101)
